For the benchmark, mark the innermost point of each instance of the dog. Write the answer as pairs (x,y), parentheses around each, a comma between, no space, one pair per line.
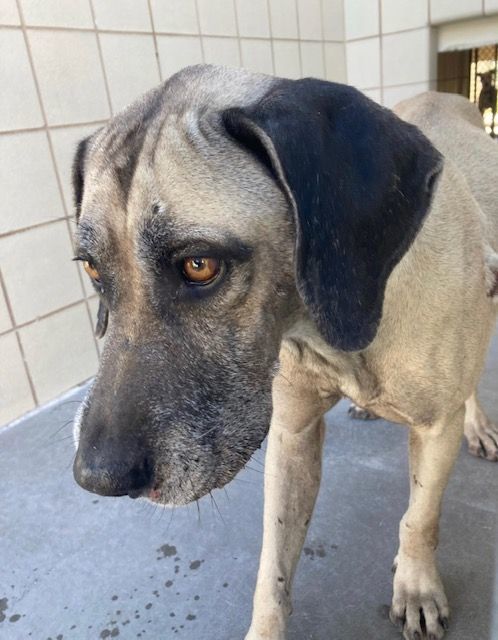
(262,248)
(487,96)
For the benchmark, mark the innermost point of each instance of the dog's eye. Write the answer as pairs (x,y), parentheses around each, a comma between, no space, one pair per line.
(91,270)
(201,270)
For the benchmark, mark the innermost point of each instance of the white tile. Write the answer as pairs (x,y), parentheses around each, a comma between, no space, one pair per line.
(60,351)
(64,143)
(335,62)
(287,61)
(408,57)
(131,15)
(333,20)
(283,17)
(141,73)
(393,95)
(15,393)
(363,62)
(5,321)
(54,13)
(491,6)
(19,104)
(312,59)
(446,10)
(68,68)
(176,52)
(175,16)
(374,94)
(28,183)
(223,51)
(398,15)
(9,13)
(217,17)
(256,55)
(310,19)
(253,18)
(361,18)
(38,272)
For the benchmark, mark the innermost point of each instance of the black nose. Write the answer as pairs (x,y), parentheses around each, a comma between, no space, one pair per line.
(108,476)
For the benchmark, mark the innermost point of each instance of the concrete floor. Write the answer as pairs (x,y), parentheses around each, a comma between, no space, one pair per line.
(76,566)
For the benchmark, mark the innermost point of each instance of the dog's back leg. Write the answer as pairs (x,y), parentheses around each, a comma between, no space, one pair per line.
(419,596)
(292,480)
(481,433)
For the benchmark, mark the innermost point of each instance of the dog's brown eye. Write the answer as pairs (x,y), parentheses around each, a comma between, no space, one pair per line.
(91,270)
(201,270)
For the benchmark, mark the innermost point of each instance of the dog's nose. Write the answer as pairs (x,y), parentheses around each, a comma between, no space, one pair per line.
(109,478)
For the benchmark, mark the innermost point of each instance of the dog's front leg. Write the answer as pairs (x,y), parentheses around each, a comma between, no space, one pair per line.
(292,480)
(419,602)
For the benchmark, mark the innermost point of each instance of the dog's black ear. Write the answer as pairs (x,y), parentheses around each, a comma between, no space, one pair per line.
(78,175)
(360,181)
(102,320)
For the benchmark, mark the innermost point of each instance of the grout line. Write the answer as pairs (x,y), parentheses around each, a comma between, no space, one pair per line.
(201,35)
(101,57)
(324,58)
(53,127)
(408,84)
(387,33)
(343,4)
(239,42)
(271,36)
(37,225)
(299,39)
(154,36)
(381,54)
(44,316)
(14,330)
(175,33)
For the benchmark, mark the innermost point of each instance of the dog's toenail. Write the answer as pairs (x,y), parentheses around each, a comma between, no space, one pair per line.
(445,623)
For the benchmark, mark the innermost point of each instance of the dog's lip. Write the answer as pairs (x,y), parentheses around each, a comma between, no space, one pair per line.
(152,494)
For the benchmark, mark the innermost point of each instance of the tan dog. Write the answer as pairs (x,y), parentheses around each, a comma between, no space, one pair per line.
(266,247)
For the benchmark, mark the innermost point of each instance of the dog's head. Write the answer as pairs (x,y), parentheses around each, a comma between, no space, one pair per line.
(212,214)
(487,79)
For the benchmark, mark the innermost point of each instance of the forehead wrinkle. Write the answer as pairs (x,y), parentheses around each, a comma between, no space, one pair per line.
(160,233)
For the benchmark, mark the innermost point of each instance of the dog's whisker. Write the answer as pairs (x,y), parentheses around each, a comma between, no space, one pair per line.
(205,433)
(213,501)
(64,426)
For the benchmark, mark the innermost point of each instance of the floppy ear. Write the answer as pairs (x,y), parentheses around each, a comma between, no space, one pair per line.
(78,187)
(360,182)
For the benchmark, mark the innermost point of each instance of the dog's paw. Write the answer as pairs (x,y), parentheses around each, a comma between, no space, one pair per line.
(419,608)
(482,437)
(358,413)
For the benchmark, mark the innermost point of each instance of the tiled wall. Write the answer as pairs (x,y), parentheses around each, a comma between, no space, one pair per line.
(391,45)
(65,68)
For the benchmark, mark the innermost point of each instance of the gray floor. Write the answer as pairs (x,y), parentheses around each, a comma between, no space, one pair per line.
(76,566)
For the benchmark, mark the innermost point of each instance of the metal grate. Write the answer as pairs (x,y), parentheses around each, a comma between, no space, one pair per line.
(484,84)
